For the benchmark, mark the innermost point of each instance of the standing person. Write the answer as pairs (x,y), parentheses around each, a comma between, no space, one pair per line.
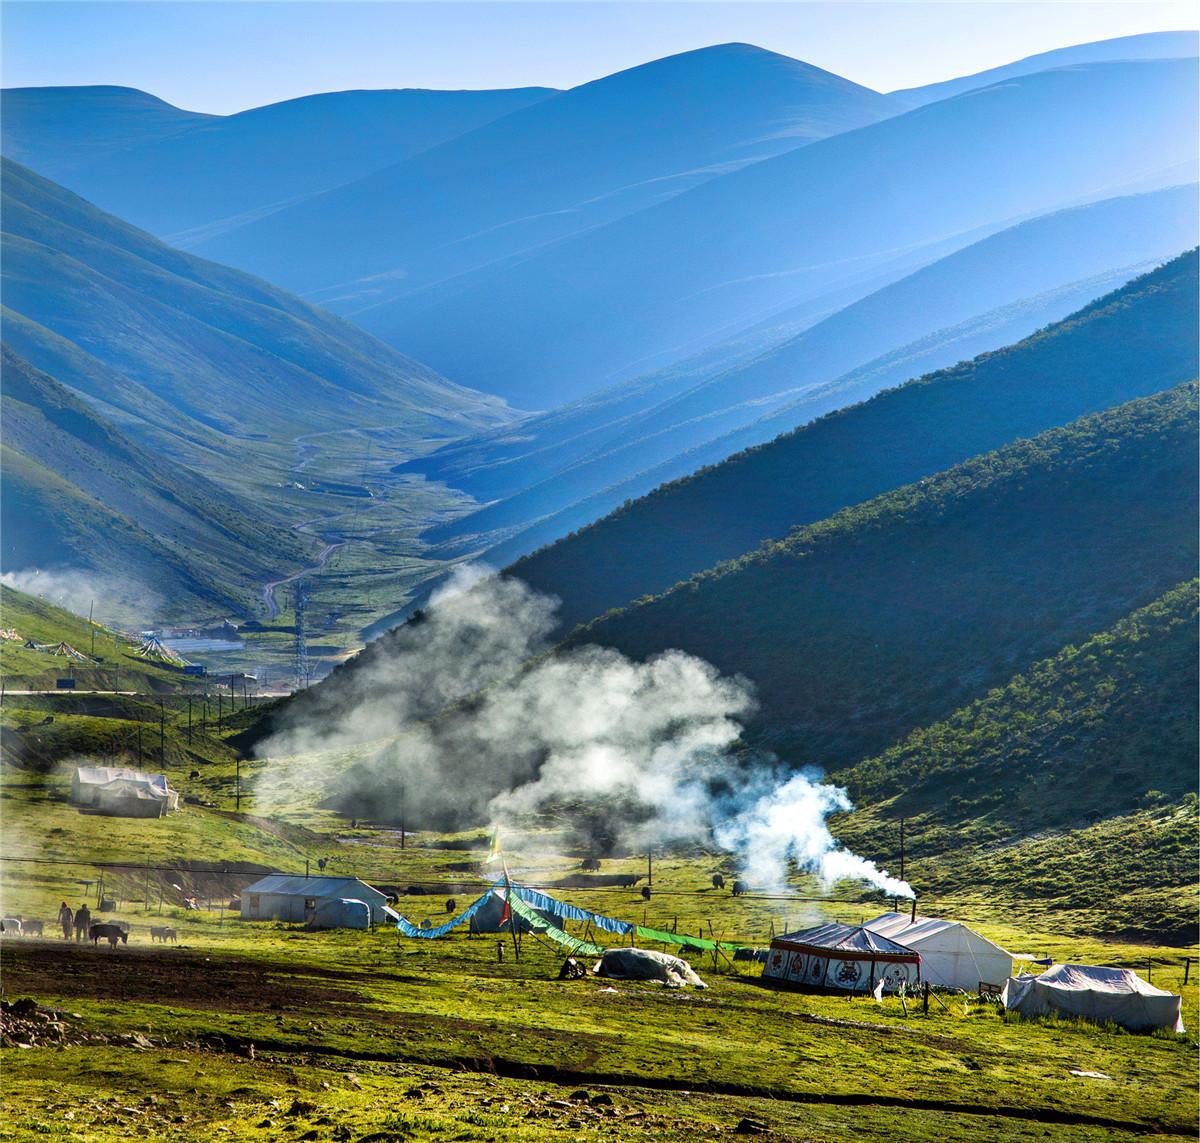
(64,919)
(83,921)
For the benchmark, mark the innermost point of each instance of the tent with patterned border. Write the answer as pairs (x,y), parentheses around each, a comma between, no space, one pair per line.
(841,958)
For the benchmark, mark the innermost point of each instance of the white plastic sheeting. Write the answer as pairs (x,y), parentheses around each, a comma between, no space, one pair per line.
(952,956)
(647,964)
(1093,993)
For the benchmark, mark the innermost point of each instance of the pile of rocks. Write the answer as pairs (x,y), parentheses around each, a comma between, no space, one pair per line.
(24,1025)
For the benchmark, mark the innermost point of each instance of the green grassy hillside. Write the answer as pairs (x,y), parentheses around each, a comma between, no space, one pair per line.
(77,493)
(1136,341)
(226,349)
(891,615)
(1072,784)
(115,665)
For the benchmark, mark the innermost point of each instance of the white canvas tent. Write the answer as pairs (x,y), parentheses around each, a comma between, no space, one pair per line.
(123,792)
(281,897)
(1089,992)
(952,956)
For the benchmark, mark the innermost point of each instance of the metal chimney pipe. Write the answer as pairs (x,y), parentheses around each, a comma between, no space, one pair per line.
(913,919)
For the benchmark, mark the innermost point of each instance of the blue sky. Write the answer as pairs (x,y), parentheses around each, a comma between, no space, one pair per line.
(225,56)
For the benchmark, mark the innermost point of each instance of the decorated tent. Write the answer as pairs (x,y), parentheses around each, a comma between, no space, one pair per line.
(847,958)
(952,956)
(1089,992)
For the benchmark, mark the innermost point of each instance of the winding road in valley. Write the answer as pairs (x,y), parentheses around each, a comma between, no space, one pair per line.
(268,591)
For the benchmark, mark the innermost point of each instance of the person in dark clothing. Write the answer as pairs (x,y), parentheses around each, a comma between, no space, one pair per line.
(83,921)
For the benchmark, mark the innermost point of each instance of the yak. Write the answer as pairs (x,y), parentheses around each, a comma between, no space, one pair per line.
(108,931)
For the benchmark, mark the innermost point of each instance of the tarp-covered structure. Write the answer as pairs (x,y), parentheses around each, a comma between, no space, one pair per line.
(952,955)
(1090,992)
(647,964)
(843,958)
(122,792)
(493,917)
(340,913)
(283,897)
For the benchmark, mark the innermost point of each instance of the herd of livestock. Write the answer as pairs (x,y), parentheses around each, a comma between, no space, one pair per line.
(79,924)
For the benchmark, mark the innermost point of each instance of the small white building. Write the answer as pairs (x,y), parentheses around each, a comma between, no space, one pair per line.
(952,956)
(324,902)
(122,792)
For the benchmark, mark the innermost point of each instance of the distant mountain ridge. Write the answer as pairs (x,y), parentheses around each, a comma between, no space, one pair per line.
(59,129)
(640,292)
(212,171)
(599,151)
(1148,45)
(1133,342)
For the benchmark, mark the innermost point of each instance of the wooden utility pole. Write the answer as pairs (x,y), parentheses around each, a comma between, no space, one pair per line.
(649,868)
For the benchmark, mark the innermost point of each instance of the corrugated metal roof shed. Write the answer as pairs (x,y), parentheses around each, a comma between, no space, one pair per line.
(295,886)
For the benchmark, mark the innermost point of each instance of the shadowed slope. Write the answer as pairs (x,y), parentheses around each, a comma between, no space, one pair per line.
(1133,342)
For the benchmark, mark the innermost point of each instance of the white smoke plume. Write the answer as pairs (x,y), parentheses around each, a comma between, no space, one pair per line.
(77,590)
(467,718)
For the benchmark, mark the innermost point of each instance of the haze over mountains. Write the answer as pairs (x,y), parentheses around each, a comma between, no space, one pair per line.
(170,171)
(1131,343)
(189,348)
(642,291)
(678,261)
(574,463)
(1148,45)
(587,156)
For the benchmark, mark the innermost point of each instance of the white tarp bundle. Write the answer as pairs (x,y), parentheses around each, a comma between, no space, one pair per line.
(647,964)
(1093,993)
(952,956)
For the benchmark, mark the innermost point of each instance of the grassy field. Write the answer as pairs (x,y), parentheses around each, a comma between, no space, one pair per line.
(369,1036)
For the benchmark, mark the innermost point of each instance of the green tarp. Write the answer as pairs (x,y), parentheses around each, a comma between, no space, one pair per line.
(675,938)
(540,925)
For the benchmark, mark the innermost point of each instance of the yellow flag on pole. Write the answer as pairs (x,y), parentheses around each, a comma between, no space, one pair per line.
(494,852)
